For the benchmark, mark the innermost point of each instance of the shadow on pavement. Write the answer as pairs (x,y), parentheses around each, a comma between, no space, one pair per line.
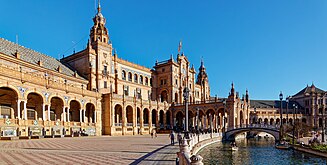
(149,154)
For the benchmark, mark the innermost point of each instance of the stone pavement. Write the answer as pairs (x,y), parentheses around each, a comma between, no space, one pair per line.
(90,150)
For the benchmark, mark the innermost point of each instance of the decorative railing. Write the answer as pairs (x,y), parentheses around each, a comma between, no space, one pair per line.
(274,127)
(146,125)
(118,124)
(42,81)
(187,149)
(199,102)
(129,124)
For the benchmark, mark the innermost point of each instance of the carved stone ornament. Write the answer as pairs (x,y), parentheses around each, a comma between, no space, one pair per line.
(8,122)
(35,122)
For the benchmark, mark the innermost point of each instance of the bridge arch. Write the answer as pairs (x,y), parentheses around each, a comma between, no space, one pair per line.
(230,134)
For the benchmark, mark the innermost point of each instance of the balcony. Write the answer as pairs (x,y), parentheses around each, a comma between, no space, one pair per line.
(36,78)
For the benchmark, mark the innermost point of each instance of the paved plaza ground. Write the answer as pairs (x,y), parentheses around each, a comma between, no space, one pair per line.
(90,150)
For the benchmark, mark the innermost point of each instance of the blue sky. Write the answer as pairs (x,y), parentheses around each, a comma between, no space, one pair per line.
(265,46)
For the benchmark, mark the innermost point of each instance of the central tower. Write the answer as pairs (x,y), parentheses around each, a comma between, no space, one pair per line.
(99,32)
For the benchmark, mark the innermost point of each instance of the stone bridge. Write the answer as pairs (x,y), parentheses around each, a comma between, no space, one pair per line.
(231,132)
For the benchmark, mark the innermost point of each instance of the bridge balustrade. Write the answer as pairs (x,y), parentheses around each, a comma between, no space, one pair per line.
(274,127)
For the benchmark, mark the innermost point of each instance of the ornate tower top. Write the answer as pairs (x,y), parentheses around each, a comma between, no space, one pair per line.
(99,32)
(232,90)
(247,95)
(99,17)
(202,76)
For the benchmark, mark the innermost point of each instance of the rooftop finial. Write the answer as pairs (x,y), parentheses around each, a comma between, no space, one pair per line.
(202,64)
(179,46)
(99,7)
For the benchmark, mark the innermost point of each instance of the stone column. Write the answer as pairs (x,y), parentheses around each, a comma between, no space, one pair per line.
(150,119)
(164,118)
(174,121)
(68,119)
(25,110)
(84,111)
(192,121)
(80,115)
(49,113)
(141,119)
(18,109)
(204,121)
(43,112)
(157,119)
(95,116)
(113,115)
(124,121)
(64,113)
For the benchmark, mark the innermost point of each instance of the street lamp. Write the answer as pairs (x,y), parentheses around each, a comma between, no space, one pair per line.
(293,122)
(186,95)
(255,115)
(323,119)
(197,119)
(281,113)
(224,122)
(287,101)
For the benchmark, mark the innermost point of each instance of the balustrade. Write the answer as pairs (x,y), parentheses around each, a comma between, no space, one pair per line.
(118,124)
(35,78)
(188,148)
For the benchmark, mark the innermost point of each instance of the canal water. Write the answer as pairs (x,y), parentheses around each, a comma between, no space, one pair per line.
(256,152)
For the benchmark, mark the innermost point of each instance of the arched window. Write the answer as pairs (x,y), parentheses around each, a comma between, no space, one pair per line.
(129,76)
(146,81)
(141,79)
(123,75)
(135,78)
(164,96)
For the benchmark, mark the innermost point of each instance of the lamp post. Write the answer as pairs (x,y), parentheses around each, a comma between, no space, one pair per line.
(197,120)
(224,122)
(287,101)
(186,95)
(293,122)
(323,119)
(255,115)
(296,119)
(281,115)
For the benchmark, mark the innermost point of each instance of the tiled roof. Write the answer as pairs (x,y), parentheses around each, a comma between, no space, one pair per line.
(308,90)
(9,48)
(272,104)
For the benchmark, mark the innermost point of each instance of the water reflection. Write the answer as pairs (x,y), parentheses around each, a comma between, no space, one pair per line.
(256,152)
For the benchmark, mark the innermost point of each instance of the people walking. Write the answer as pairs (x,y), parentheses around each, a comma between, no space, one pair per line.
(172,138)
(179,138)
(153,133)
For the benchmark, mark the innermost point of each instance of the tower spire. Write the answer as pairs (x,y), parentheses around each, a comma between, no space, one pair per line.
(202,63)
(99,7)
(179,46)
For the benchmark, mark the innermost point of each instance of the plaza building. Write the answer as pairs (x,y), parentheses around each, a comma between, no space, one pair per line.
(308,106)
(95,92)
